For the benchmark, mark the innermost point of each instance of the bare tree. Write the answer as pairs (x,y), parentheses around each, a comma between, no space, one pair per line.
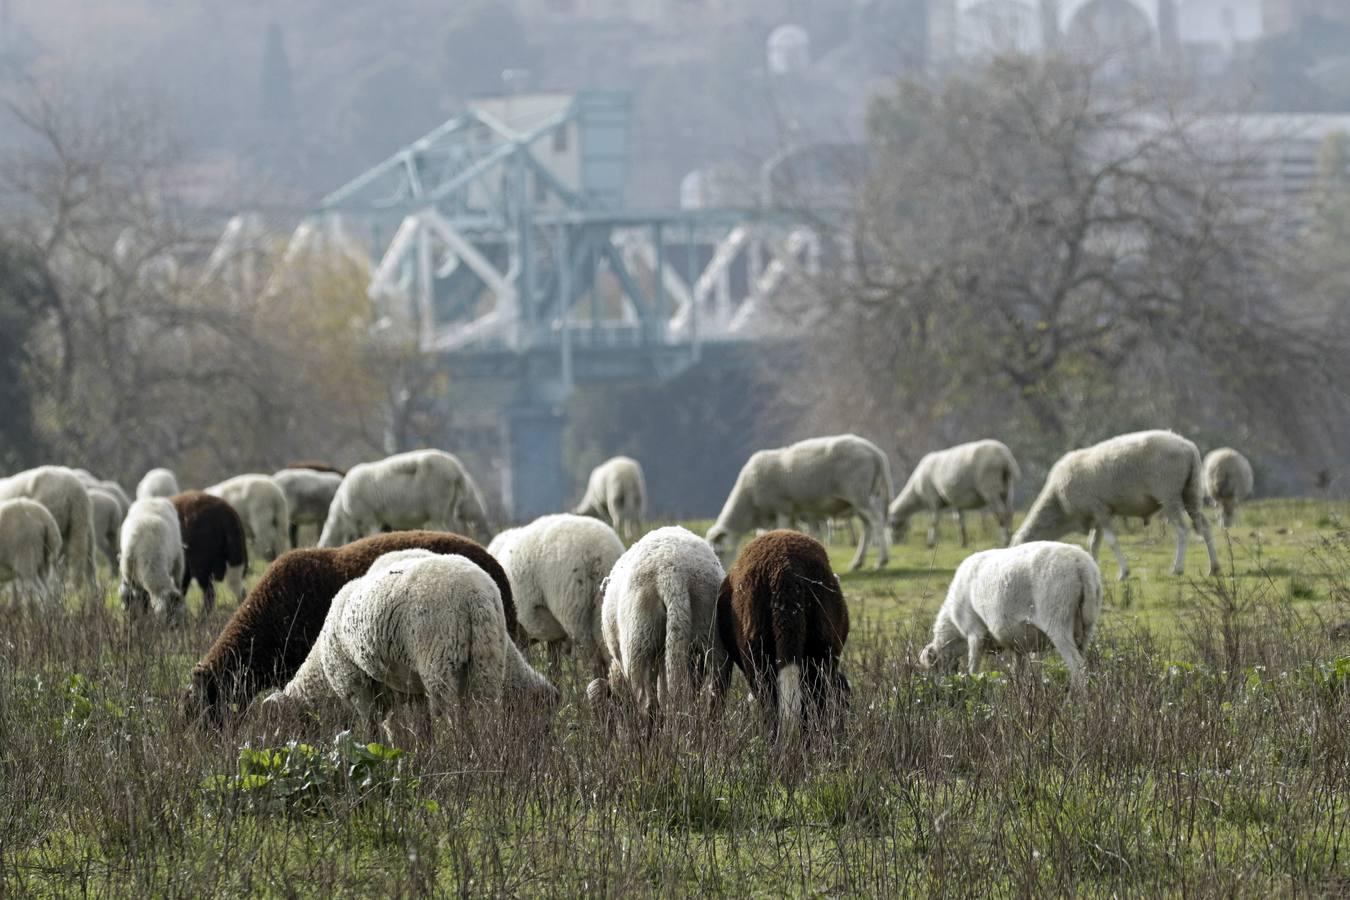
(137,355)
(1035,256)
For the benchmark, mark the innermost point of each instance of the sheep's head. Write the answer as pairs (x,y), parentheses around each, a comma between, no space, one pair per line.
(723,545)
(1045,521)
(941,658)
(201,702)
(337,531)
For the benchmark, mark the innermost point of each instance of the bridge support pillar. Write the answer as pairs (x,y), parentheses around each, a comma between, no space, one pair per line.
(532,480)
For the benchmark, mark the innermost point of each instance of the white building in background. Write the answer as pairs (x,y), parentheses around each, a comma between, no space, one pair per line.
(1209,30)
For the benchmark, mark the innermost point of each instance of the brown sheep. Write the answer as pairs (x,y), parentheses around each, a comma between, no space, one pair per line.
(213,541)
(782,620)
(271,632)
(316,466)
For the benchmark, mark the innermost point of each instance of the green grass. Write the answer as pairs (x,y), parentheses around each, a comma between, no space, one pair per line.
(1210,756)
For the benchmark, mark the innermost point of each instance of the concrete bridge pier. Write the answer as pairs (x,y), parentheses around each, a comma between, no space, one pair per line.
(532,480)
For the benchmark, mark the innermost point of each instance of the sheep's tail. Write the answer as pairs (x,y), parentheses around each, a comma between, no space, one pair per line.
(236,549)
(1012,473)
(792,598)
(674,591)
(1089,605)
(52,547)
(883,488)
(1193,489)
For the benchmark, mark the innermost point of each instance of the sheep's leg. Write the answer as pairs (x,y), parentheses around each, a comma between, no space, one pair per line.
(860,555)
(1002,510)
(961,524)
(1202,526)
(974,653)
(1229,515)
(1073,659)
(717,686)
(1104,527)
(208,587)
(1094,541)
(933,528)
(879,534)
(1177,519)
(234,577)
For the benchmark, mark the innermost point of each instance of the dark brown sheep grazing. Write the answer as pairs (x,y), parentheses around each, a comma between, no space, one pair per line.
(316,466)
(782,621)
(271,632)
(213,544)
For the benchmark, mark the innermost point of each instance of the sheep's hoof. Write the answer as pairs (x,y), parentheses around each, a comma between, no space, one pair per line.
(1124,575)
(1178,572)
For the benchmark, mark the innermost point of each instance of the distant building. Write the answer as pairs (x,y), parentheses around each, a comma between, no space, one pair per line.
(1280,16)
(1205,31)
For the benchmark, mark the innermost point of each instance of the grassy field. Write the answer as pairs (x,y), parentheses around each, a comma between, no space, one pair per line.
(1210,756)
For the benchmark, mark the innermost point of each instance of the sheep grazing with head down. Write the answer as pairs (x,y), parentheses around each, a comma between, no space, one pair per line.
(659,616)
(782,620)
(813,480)
(30,549)
(1228,481)
(417,626)
(309,493)
(977,475)
(214,545)
(271,632)
(157,483)
(60,491)
(262,508)
(1131,475)
(470,515)
(108,515)
(1020,599)
(419,489)
(152,562)
(616,493)
(556,565)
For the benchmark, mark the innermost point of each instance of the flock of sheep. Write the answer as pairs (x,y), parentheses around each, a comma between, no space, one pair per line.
(399,603)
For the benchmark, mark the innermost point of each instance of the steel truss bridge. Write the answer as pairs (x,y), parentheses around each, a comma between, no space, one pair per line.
(501,243)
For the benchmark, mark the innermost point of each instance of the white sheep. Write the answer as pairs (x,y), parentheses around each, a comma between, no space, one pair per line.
(262,508)
(813,479)
(157,483)
(91,481)
(556,565)
(108,515)
(419,489)
(1228,481)
(30,549)
(58,489)
(616,493)
(309,493)
(1129,475)
(1019,599)
(417,625)
(152,560)
(969,476)
(659,615)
